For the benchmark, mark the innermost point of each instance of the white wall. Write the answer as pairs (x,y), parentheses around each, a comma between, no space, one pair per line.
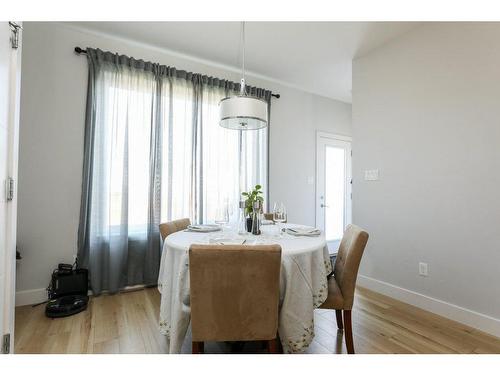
(426,113)
(54,89)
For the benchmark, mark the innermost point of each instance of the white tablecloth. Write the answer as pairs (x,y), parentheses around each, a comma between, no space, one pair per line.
(305,265)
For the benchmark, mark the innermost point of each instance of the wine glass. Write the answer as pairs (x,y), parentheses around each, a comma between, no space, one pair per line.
(222,215)
(279,215)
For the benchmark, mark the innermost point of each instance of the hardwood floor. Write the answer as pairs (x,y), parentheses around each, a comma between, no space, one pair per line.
(127,323)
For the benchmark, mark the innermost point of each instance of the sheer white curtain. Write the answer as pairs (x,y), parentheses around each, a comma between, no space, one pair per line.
(229,161)
(177,105)
(208,166)
(121,158)
(153,152)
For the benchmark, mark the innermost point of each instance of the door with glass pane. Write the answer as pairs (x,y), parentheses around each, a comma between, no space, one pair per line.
(333,186)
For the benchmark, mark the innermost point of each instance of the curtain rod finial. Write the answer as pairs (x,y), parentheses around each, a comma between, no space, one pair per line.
(79,50)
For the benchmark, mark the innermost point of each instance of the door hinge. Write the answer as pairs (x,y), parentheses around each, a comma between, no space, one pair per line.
(14,38)
(6,344)
(9,189)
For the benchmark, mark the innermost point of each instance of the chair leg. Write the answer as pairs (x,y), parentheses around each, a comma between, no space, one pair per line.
(197,347)
(338,315)
(272,346)
(348,332)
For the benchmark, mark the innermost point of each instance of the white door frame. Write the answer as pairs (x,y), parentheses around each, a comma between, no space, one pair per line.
(9,243)
(320,183)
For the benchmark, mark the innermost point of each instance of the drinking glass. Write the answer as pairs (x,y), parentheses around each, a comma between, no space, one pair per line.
(222,215)
(279,215)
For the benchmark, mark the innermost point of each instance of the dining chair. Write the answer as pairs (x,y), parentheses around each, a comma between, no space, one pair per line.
(173,226)
(270,216)
(342,284)
(234,294)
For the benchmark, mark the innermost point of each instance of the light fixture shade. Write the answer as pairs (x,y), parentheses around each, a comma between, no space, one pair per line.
(243,113)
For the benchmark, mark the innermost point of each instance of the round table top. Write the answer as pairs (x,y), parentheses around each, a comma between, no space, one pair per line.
(290,245)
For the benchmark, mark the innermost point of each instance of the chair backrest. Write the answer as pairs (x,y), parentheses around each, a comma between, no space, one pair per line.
(234,292)
(173,226)
(347,263)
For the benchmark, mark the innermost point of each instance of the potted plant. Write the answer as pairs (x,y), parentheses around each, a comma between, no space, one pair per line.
(250,197)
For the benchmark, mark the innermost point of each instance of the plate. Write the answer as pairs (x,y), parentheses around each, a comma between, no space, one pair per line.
(205,228)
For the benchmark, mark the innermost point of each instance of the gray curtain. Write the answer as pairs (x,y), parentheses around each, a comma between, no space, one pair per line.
(150,154)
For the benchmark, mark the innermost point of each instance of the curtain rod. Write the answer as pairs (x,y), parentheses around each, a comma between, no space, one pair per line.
(80,51)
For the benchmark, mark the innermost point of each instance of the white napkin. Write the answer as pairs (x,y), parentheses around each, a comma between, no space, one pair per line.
(306,232)
(227,241)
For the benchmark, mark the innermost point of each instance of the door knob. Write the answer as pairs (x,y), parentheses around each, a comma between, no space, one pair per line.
(324,205)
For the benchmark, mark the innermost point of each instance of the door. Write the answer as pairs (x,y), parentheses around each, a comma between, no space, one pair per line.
(10,74)
(333,186)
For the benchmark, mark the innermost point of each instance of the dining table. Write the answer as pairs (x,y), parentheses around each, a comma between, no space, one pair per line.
(305,267)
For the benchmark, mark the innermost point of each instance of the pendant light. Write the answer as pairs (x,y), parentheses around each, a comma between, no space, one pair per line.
(243,112)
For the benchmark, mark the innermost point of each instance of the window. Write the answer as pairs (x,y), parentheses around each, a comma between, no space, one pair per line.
(201,165)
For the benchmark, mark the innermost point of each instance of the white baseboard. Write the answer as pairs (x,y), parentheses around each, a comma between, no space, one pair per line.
(462,315)
(31,296)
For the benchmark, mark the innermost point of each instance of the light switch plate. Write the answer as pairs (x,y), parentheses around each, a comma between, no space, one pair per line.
(371,175)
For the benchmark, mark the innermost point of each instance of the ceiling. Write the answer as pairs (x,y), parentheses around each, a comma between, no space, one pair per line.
(313,56)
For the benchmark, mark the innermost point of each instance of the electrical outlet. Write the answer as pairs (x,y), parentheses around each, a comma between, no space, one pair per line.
(423,269)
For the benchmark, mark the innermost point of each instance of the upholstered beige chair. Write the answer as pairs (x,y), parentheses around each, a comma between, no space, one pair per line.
(234,293)
(342,284)
(173,226)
